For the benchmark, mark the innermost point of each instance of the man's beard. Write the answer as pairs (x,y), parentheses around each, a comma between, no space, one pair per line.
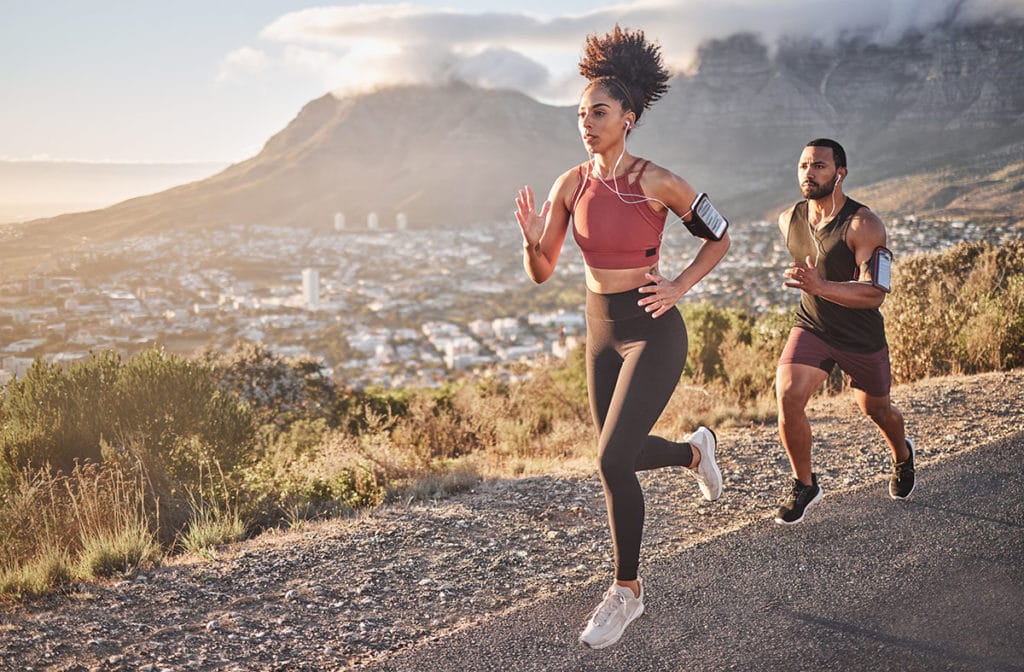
(814,192)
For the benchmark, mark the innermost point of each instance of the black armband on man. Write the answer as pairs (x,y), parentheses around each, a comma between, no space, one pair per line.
(879,267)
(705,221)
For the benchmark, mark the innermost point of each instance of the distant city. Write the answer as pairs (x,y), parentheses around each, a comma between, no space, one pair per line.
(378,303)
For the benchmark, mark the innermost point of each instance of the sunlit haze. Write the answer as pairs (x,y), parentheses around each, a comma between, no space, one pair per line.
(199,82)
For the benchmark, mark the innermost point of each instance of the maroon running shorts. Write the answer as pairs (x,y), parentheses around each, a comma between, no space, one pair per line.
(867,371)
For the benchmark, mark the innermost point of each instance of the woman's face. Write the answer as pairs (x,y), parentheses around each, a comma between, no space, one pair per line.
(601,120)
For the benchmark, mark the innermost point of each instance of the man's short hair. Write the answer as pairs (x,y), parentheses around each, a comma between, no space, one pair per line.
(838,153)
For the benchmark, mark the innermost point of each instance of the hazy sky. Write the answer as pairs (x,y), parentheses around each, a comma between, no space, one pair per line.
(195,80)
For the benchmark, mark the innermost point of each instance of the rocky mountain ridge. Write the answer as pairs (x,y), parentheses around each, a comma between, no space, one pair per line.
(949,104)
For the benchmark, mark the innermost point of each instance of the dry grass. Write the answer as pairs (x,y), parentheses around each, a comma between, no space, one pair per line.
(59,529)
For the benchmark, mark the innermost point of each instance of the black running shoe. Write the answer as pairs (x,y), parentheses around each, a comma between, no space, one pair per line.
(901,482)
(801,498)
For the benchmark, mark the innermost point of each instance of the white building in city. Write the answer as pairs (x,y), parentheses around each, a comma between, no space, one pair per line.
(339,221)
(311,288)
(506,328)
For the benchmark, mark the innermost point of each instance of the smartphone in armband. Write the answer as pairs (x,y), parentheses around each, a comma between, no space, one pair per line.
(881,268)
(706,221)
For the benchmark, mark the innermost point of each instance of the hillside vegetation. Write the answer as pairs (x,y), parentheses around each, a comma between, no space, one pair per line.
(110,465)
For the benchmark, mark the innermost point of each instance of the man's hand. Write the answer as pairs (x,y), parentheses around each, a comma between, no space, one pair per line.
(803,275)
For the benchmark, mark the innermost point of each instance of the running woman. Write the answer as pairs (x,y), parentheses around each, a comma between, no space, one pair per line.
(618,204)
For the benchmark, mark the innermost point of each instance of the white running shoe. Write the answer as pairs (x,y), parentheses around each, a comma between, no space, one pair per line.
(618,609)
(708,476)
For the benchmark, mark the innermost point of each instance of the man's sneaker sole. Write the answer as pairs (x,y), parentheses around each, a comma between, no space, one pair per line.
(913,454)
(817,497)
(605,645)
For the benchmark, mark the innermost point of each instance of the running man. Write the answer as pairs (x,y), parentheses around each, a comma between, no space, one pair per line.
(841,267)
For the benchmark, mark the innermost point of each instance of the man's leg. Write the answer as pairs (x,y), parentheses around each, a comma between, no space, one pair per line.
(889,420)
(794,385)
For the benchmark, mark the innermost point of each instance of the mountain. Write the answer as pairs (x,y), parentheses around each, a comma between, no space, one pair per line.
(933,123)
(949,104)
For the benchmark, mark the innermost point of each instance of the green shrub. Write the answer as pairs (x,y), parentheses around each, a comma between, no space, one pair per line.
(957,311)
(174,407)
(170,406)
(707,327)
(749,353)
(336,475)
(279,390)
(55,416)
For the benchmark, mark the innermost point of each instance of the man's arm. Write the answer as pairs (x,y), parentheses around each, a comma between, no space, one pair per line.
(866,232)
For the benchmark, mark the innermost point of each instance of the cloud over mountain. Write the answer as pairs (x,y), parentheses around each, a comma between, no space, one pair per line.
(369,45)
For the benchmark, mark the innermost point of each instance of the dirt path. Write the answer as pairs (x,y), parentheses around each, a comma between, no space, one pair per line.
(336,595)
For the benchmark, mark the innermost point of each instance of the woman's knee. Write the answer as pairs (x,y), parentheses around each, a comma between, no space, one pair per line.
(616,465)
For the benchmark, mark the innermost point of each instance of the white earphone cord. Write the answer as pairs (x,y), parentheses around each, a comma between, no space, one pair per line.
(811,229)
(637,199)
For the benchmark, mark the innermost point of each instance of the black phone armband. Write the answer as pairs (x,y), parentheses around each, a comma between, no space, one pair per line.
(705,221)
(880,266)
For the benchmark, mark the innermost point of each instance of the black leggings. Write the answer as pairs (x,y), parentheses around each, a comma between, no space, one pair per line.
(633,365)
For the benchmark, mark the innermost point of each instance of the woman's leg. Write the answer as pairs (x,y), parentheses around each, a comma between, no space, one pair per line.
(628,393)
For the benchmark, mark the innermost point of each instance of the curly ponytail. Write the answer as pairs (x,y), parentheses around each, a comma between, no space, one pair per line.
(628,67)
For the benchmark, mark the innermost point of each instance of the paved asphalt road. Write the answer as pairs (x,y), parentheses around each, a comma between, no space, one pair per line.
(865,583)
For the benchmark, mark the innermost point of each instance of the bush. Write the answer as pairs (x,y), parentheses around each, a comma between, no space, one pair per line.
(707,328)
(278,390)
(958,311)
(166,406)
(55,417)
(174,407)
(313,475)
(749,353)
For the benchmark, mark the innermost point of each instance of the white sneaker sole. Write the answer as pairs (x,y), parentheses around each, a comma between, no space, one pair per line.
(610,642)
(708,464)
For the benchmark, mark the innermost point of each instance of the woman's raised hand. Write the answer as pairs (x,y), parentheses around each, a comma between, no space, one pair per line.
(530,221)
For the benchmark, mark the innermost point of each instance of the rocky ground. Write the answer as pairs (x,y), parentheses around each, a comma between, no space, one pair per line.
(341,594)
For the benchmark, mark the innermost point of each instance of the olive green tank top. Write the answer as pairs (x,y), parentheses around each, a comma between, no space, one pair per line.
(850,329)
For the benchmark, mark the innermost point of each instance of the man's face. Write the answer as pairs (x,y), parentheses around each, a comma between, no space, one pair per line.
(816,172)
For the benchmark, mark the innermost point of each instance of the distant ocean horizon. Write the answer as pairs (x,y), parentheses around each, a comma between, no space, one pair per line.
(34,189)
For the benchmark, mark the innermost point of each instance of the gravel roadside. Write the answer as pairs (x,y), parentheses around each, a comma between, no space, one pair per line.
(340,594)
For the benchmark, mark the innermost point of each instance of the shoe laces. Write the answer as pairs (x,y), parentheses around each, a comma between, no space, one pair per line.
(904,468)
(612,602)
(797,492)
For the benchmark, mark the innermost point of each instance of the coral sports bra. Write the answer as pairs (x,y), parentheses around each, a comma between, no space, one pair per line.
(612,233)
